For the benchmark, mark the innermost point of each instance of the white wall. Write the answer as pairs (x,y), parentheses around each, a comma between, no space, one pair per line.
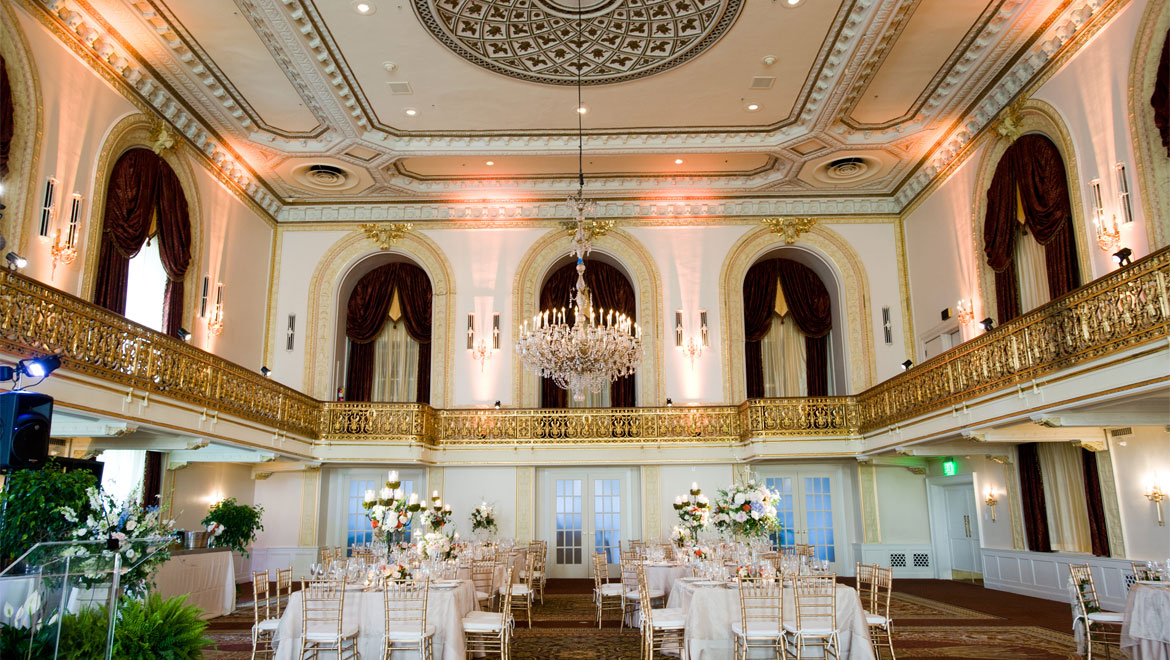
(280,495)
(902,511)
(675,480)
(1143,460)
(199,485)
(464,488)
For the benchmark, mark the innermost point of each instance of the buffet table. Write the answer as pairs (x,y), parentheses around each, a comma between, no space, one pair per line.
(207,576)
(1146,631)
(446,609)
(712,609)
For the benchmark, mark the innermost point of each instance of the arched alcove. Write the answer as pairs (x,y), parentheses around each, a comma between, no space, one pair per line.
(25,149)
(346,261)
(616,247)
(1153,163)
(832,258)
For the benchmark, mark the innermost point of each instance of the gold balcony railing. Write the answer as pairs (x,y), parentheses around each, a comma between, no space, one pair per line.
(1124,309)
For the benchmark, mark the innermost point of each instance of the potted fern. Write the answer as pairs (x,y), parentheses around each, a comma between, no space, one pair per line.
(233,525)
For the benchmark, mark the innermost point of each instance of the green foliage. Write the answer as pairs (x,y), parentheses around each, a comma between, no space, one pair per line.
(30,504)
(84,635)
(240,522)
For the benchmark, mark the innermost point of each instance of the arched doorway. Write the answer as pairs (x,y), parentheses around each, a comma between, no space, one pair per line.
(386,306)
(146,230)
(610,288)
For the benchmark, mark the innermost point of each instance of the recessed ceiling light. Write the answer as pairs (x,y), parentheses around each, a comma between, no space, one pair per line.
(364,7)
(490,162)
(582,109)
(793,3)
(752,107)
(410,112)
(678,161)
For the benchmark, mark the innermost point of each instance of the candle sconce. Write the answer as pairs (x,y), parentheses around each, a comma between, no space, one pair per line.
(690,348)
(991,502)
(215,318)
(1156,495)
(480,349)
(65,252)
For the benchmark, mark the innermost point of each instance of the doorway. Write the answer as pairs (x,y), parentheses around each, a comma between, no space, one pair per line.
(955,528)
(581,511)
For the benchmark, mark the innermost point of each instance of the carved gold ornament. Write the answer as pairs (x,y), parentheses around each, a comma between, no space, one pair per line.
(593,228)
(1010,124)
(161,139)
(789,228)
(386,235)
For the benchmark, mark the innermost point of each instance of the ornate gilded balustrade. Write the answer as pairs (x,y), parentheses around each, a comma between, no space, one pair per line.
(1123,309)
(37,319)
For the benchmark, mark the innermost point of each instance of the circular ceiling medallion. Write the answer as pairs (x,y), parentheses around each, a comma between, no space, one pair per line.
(848,169)
(537,40)
(324,177)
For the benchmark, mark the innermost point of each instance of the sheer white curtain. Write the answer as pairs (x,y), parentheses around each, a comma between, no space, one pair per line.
(783,351)
(395,364)
(123,472)
(1031,268)
(1062,469)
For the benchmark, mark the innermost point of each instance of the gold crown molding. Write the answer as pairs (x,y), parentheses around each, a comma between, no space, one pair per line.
(909,338)
(853,296)
(540,223)
(135,131)
(274,262)
(324,309)
(1034,116)
(24,152)
(1151,161)
(642,270)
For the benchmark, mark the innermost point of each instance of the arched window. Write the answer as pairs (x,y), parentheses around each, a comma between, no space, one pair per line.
(788,316)
(144,199)
(388,331)
(610,289)
(1028,232)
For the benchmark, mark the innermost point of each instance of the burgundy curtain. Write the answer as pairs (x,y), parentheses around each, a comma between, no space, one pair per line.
(131,200)
(1033,167)
(152,479)
(1098,533)
(7,129)
(366,313)
(174,237)
(811,308)
(759,301)
(611,289)
(1032,498)
(1161,97)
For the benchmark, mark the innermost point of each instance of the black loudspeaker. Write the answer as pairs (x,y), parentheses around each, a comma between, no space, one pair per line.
(25,418)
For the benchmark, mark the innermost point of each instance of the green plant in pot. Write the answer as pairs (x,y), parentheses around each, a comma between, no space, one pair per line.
(233,525)
(31,504)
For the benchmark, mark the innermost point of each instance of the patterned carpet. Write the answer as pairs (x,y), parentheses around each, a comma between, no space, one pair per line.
(987,624)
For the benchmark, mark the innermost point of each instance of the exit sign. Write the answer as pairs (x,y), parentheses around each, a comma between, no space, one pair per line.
(950,467)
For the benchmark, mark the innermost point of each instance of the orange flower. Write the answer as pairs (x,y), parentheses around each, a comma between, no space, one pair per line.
(374,524)
(747,507)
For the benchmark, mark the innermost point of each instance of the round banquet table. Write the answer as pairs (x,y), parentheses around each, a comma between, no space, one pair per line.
(446,609)
(712,609)
(1146,631)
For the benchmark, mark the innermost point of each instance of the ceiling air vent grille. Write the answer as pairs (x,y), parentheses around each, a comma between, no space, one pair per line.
(1125,430)
(763,82)
(400,87)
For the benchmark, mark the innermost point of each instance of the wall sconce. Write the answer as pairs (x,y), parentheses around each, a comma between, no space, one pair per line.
(1108,234)
(479,349)
(1156,495)
(991,502)
(215,318)
(690,348)
(66,252)
(965,311)
(1123,199)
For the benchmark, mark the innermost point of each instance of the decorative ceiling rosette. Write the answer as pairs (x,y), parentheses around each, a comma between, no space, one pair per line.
(537,40)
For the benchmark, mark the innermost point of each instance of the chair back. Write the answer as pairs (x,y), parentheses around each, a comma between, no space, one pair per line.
(761,604)
(506,594)
(529,562)
(322,605)
(600,570)
(865,574)
(1082,577)
(644,595)
(638,547)
(630,569)
(816,601)
(483,573)
(405,605)
(284,581)
(261,601)
(538,551)
(1142,572)
(804,550)
(883,588)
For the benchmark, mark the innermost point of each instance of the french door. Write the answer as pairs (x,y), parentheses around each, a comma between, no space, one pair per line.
(583,511)
(808,509)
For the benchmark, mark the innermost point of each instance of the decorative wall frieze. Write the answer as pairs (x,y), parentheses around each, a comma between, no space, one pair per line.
(789,228)
(386,235)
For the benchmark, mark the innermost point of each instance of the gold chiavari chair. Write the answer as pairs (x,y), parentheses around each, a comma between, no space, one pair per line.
(284,582)
(1142,572)
(761,617)
(638,547)
(522,591)
(323,625)
(632,590)
(491,632)
(366,556)
(538,550)
(804,550)
(483,574)
(1100,626)
(405,606)
(662,629)
(264,622)
(877,614)
(607,596)
(864,574)
(815,623)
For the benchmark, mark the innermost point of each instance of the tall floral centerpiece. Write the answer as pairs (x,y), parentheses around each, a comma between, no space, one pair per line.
(694,513)
(389,510)
(483,519)
(747,511)
(435,518)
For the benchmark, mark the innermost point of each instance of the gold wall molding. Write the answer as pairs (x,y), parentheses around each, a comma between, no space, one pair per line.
(852,293)
(435,481)
(642,270)
(525,502)
(651,502)
(1035,116)
(867,484)
(326,309)
(133,132)
(1152,163)
(24,154)
(310,497)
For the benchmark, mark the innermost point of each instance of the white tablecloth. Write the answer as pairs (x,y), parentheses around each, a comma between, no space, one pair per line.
(207,578)
(1146,631)
(663,576)
(711,611)
(446,609)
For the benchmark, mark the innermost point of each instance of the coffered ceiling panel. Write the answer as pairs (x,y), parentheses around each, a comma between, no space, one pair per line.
(526,167)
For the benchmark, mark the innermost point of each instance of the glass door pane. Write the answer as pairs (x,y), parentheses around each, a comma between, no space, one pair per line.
(568,522)
(818,510)
(357,529)
(607,518)
(786,538)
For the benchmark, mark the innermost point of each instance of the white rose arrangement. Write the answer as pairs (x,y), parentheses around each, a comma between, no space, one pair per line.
(747,510)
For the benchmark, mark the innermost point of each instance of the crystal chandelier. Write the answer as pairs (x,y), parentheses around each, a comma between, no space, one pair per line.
(581,349)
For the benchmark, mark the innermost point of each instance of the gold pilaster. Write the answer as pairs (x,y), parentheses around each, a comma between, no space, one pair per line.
(651,502)
(310,504)
(434,482)
(867,483)
(525,502)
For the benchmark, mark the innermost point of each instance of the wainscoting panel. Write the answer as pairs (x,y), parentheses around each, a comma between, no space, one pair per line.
(275,558)
(1045,575)
(908,561)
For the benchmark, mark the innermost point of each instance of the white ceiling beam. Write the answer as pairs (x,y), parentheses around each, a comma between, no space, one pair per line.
(73,427)
(146,443)
(1019,434)
(221,454)
(1102,419)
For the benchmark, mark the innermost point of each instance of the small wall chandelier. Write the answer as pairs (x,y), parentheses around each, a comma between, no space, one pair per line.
(581,349)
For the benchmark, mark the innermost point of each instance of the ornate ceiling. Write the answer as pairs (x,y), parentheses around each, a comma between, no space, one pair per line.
(703,107)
